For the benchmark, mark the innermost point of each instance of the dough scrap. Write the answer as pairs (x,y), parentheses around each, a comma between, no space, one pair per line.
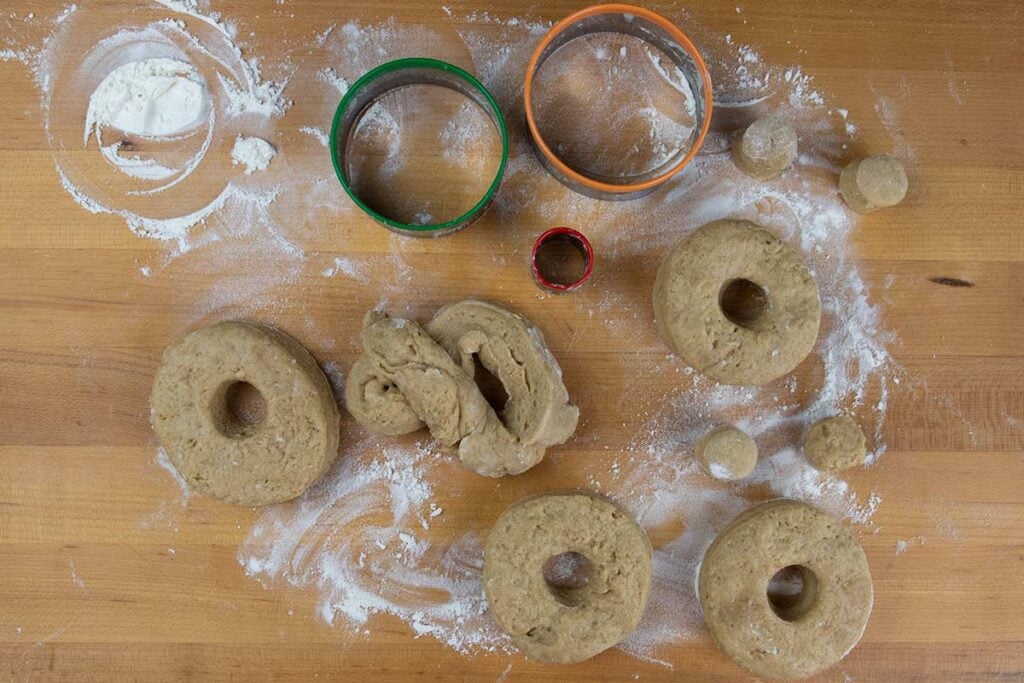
(246,464)
(688,303)
(873,183)
(411,375)
(557,624)
(835,444)
(766,148)
(726,453)
(808,632)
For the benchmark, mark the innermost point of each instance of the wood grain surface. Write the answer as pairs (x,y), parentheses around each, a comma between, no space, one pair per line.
(90,590)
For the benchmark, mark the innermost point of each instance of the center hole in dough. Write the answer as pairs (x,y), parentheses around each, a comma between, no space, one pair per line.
(567,575)
(490,386)
(792,592)
(242,409)
(743,302)
(561,260)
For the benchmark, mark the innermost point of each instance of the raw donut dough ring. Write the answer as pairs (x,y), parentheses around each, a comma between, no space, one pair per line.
(218,455)
(835,444)
(810,634)
(688,294)
(566,626)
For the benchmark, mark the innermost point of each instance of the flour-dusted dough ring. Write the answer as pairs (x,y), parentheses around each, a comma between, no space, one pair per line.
(688,303)
(566,625)
(218,455)
(766,148)
(820,626)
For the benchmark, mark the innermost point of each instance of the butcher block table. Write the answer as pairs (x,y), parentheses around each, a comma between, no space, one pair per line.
(90,589)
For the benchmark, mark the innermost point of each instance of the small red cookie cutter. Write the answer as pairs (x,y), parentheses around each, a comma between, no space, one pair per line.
(576,239)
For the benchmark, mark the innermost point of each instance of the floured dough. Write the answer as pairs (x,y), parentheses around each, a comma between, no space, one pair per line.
(218,455)
(766,148)
(873,183)
(553,611)
(410,376)
(689,297)
(835,444)
(726,453)
(808,631)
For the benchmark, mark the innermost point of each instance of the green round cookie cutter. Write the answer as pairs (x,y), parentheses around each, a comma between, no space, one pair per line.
(397,74)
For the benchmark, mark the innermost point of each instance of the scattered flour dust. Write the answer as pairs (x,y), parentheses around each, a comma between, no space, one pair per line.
(361,538)
(253,153)
(356,537)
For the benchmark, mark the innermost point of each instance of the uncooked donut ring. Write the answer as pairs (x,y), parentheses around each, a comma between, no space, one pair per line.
(810,630)
(566,575)
(222,455)
(737,303)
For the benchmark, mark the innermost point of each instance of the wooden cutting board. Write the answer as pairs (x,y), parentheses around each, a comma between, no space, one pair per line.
(91,589)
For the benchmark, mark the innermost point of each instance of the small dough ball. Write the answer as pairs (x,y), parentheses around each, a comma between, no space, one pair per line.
(835,444)
(766,148)
(726,453)
(873,183)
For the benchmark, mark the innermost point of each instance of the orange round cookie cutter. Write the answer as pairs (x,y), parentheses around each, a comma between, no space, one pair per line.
(663,34)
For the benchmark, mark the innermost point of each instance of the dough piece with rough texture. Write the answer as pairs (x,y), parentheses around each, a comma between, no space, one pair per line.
(537,412)
(410,376)
(567,575)
(798,634)
(219,453)
(378,402)
(874,183)
(726,453)
(835,444)
(765,336)
(766,148)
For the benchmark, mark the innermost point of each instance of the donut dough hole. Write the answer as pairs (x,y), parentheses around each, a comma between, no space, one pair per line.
(726,453)
(567,575)
(766,148)
(411,376)
(874,183)
(737,304)
(802,625)
(244,413)
(835,444)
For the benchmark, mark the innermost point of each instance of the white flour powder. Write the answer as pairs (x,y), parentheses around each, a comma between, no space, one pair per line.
(253,153)
(157,97)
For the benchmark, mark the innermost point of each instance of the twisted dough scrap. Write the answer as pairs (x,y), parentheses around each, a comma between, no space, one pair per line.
(411,376)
